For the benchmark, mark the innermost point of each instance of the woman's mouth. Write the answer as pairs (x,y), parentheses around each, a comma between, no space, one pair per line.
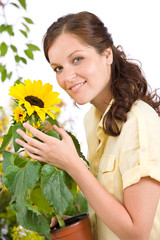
(77,86)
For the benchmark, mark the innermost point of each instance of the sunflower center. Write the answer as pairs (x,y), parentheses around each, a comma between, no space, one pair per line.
(35,101)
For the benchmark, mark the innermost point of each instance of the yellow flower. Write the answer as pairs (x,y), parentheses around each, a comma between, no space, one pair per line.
(37,124)
(19,233)
(19,115)
(36,97)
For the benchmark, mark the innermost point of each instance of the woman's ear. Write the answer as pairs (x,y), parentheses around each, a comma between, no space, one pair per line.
(109,55)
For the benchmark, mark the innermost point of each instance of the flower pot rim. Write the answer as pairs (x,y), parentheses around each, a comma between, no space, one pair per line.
(79,217)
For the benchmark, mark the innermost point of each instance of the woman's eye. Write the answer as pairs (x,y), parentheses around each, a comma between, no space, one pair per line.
(57,69)
(77,59)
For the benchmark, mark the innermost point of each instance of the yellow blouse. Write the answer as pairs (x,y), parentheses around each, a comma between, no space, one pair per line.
(118,162)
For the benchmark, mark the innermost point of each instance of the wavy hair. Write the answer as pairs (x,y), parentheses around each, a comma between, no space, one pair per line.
(128,83)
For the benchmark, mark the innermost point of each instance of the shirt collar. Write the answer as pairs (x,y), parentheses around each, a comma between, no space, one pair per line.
(107,109)
(100,133)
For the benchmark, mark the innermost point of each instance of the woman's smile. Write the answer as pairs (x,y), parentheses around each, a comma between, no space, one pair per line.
(77,87)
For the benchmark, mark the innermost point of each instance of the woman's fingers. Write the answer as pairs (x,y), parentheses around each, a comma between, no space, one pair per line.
(30,140)
(60,131)
(53,222)
(35,132)
(31,151)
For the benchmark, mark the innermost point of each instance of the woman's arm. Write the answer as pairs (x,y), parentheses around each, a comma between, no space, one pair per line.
(133,220)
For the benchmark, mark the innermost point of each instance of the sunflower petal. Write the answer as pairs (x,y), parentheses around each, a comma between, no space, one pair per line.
(51,114)
(55,109)
(29,108)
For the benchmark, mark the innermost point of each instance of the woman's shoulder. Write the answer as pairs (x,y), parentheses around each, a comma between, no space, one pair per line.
(141,109)
(140,116)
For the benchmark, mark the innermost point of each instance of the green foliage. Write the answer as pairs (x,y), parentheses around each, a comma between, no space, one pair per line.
(9,32)
(19,179)
(16,135)
(78,205)
(39,190)
(37,197)
(54,188)
(6,139)
(78,147)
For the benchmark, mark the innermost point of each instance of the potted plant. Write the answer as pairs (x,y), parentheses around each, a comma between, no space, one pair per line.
(39,190)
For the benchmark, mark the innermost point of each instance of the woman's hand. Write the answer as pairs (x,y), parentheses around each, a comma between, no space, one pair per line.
(60,153)
(54,221)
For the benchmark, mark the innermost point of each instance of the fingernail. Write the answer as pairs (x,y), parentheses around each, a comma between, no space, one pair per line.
(24,124)
(17,130)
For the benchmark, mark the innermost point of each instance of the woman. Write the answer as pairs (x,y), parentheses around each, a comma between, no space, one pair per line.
(122,129)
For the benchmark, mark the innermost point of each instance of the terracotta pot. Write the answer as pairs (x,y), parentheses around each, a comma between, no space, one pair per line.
(77,228)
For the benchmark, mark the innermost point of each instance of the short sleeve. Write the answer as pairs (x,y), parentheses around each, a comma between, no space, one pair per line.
(140,150)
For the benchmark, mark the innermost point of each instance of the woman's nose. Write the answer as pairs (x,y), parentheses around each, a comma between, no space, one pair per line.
(69,74)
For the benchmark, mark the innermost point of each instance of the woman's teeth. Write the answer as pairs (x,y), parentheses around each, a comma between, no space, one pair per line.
(77,86)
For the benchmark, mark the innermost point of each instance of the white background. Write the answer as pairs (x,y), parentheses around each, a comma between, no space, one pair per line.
(134,24)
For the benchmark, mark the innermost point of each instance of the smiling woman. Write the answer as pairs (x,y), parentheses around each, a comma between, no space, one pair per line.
(122,129)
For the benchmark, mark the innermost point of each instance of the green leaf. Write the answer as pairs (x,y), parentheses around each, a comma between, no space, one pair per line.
(78,205)
(9,29)
(14,49)
(17,58)
(53,133)
(2,67)
(70,183)
(18,81)
(2,28)
(3,75)
(55,189)
(31,207)
(34,222)
(6,139)
(29,54)
(6,160)
(24,33)
(26,27)
(37,197)
(23,3)
(78,147)
(16,135)
(19,161)
(28,20)
(52,121)
(33,47)
(14,4)
(23,60)
(19,180)
(5,198)
(9,75)
(3,49)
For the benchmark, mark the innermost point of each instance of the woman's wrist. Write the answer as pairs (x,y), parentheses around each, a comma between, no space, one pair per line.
(77,165)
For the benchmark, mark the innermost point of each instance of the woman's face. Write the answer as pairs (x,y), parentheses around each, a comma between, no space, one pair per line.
(80,70)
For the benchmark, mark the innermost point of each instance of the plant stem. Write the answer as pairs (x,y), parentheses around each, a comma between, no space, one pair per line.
(60,220)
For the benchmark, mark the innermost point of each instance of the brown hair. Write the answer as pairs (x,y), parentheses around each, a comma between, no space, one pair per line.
(127,81)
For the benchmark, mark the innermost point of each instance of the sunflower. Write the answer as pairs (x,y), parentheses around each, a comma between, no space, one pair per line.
(36,97)
(37,125)
(19,115)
